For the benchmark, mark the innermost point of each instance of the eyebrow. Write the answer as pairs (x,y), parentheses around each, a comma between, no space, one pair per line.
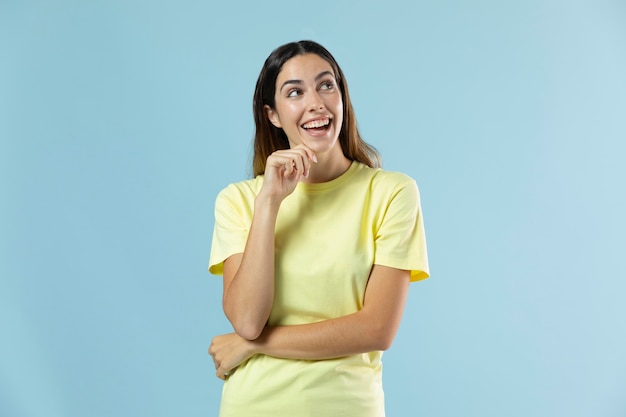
(299,82)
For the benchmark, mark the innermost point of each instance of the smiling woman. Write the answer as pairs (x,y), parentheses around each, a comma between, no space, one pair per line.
(316,252)
(309,109)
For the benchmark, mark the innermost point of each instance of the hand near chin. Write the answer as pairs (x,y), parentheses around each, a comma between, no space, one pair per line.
(228,352)
(285,168)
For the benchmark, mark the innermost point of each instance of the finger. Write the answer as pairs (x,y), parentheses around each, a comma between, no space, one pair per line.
(292,165)
(298,164)
(301,161)
(291,161)
(310,154)
(283,160)
(222,374)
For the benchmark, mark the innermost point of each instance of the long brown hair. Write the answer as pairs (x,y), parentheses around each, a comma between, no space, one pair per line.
(268,138)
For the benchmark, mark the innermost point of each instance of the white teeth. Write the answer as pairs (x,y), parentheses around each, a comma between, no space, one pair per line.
(316,123)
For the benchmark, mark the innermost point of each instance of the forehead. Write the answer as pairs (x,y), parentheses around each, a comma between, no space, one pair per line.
(303,67)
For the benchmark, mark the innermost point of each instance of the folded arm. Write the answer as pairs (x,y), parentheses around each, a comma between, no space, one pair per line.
(371,328)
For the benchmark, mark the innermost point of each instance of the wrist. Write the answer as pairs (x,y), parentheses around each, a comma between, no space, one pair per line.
(267,201)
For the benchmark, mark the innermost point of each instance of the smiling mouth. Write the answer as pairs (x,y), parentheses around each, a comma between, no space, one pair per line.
(317,125)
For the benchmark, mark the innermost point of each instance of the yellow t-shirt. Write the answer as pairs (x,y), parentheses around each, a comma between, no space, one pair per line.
(328,236)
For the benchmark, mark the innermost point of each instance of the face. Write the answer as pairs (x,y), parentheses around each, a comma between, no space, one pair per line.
(308,105)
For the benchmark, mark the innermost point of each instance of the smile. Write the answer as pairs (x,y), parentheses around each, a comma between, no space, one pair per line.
(318,124)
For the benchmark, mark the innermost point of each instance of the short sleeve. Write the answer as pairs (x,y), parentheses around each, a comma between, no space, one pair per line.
(400,241)
(231,228)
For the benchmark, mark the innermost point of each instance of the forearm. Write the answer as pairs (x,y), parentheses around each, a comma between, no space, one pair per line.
(349,335)
(372,328)
(249,295)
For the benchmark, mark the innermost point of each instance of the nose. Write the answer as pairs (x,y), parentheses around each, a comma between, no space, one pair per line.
(315,101)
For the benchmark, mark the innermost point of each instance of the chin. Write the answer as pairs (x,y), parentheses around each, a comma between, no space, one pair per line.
(325,146)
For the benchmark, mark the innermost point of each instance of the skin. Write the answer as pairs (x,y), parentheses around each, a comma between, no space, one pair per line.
(305,91)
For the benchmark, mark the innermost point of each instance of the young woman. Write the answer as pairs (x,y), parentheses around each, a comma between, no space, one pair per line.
(317,252)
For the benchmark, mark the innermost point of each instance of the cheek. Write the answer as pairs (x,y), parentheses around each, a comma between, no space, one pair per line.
(339,114)
(339,103)
(339,109)
(290,112)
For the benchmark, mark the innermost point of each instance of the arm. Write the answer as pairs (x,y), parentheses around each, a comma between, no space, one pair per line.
(249,277)
(371,328)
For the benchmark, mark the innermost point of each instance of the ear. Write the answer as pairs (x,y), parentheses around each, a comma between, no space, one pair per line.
(272,116)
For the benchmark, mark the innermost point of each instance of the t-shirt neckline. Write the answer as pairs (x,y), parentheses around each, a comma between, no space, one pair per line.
(332,184)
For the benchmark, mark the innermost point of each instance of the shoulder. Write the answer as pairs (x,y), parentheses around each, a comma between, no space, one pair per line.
(251,186)
(384,181)
(240,191)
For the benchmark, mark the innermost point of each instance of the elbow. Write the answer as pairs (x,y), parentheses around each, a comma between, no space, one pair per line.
(245,323)
(382,338)
(249,328)
(249,331)
(384,342)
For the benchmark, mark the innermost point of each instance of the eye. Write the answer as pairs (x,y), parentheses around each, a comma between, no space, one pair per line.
(327,85)
(293,92)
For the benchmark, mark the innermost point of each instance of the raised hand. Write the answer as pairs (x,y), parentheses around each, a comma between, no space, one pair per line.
(284,169)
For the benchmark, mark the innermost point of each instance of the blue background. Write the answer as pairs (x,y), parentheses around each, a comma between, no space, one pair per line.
(121,120)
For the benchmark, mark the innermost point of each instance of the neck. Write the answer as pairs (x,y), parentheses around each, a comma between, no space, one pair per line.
(328,167)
